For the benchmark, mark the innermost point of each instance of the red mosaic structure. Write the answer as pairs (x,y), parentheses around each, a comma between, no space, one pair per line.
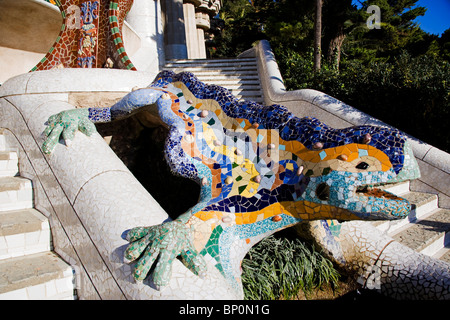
(90,36)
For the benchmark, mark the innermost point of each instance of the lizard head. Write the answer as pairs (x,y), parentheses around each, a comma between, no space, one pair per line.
(351,177)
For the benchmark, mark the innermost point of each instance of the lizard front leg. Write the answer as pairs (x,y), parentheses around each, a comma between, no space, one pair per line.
(167,240)
(68,122)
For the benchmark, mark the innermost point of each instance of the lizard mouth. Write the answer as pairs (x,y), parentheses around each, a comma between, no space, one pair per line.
(323,192)
(381,204)
(375,191)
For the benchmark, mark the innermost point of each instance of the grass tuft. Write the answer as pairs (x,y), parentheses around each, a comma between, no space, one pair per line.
(281,267)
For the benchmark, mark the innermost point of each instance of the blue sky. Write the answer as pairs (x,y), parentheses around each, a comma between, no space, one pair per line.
(437,18)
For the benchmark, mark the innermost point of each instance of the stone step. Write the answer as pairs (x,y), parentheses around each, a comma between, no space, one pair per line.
(240,76)
(28,270)
(227,82)
(8,164)
(211,62)
(216,77)
(245,93)
(15,193)
(223,70)
(2,140)
(23,232)
(240,86)
(421,204)
(234,83)
(427,234)
(222,66)
(398,188)
(39,276)
(227,79)
(213,59)
(444,253)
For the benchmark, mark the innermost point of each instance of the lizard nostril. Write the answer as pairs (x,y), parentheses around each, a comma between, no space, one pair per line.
(323,191)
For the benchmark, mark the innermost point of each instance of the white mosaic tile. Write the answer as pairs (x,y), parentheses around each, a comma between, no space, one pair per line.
(73,80)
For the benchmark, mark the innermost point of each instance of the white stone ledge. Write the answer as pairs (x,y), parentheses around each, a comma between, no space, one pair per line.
(75,80)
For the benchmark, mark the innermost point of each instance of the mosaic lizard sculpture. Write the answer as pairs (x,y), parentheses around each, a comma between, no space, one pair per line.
(260,168)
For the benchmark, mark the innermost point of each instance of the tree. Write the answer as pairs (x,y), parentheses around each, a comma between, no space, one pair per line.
(340,18)
(318,35)
(290,26)
(398,31)
(237,27)
(286,23)
(444,45)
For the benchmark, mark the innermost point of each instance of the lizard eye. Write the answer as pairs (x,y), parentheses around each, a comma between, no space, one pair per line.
(362,166)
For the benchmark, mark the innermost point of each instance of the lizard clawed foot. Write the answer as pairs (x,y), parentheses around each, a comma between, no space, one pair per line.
(167,240)
(66,123)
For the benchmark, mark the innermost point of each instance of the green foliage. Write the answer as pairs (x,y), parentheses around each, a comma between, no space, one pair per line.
(237,28)
(410,93)
(444,45)
(398,32)
(242,22)
(280,267)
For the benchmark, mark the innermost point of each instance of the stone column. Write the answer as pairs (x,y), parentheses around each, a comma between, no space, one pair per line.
(191,30)
(174,29)
(203,23)
(145,42)
(201,43)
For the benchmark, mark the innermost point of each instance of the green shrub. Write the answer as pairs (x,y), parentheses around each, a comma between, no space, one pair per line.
(279,267)
(409,93)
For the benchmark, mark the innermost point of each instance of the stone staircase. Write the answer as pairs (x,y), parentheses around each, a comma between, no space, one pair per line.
(28,269)
(426,229)
(239,75)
